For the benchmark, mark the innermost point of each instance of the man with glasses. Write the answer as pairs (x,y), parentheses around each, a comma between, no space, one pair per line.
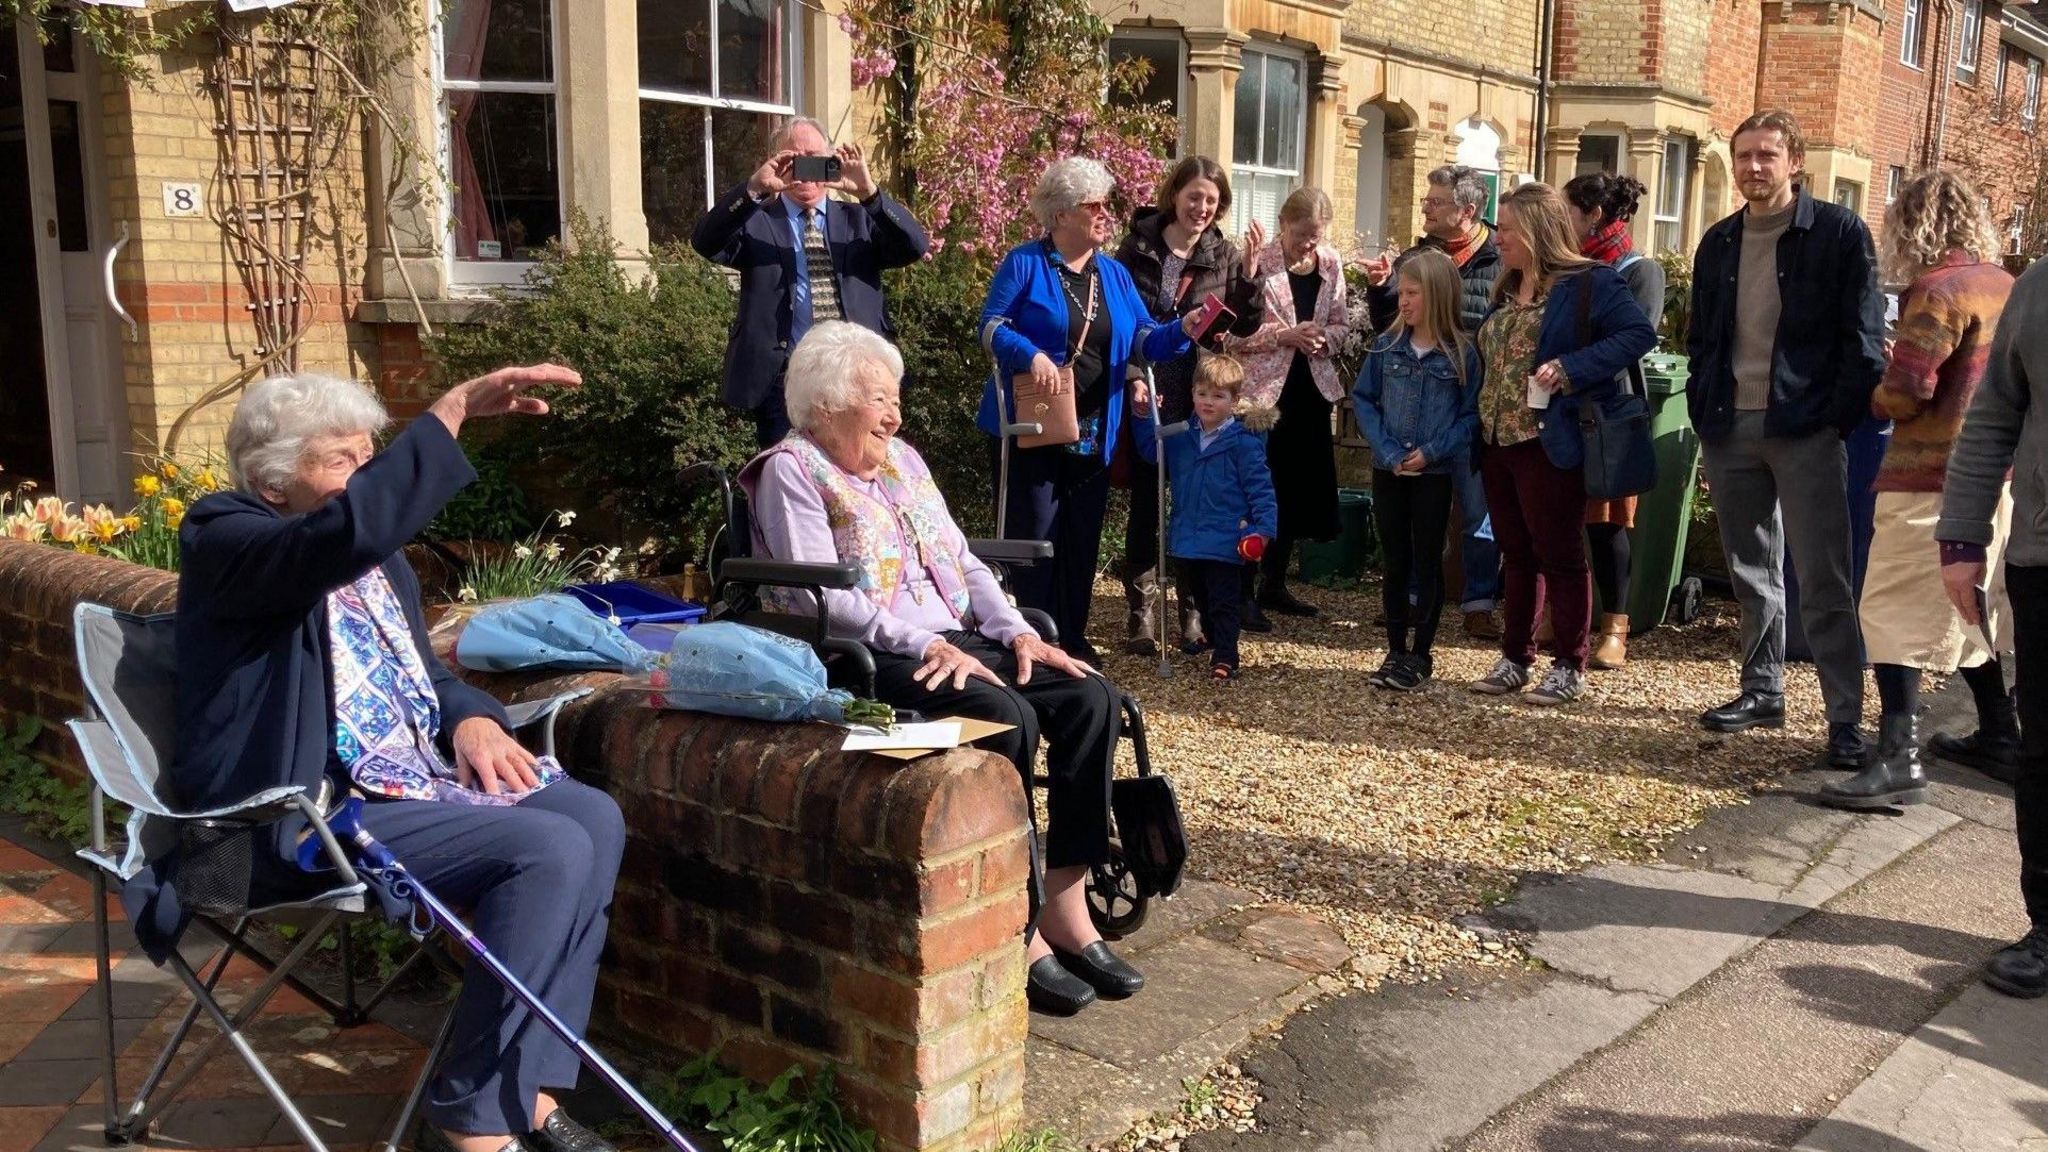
(1451,223)
(802,258)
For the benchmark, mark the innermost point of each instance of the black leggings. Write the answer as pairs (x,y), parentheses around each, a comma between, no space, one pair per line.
(1610,564)
(1412,512)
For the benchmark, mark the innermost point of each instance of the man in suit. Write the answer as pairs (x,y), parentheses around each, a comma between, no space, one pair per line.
(802,257)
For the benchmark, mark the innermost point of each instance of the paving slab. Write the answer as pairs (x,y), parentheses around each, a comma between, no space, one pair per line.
(1974,1077)
(1416,1066)
(1192,986)
(1196,904)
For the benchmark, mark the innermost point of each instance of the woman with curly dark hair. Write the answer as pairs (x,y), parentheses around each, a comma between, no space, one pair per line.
(1602,207)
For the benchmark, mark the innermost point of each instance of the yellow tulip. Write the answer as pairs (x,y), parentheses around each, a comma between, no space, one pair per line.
(146,486)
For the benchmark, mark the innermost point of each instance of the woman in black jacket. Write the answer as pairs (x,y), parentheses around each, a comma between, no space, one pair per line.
(1178,256)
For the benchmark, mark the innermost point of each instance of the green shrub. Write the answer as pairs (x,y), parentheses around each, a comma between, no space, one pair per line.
(936,307)
(651,351)
(1677,301)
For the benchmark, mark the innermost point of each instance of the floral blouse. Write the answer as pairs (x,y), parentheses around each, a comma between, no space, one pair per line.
(1507,345)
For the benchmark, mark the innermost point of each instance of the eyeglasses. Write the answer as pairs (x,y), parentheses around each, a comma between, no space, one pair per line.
(1094,207)
(1437,202)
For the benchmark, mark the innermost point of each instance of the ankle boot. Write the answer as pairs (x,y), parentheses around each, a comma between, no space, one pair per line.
(1894,777)
(1144,601)
(1612,649)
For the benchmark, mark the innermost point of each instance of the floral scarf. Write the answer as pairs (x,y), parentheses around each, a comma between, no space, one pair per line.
(1607,243)
(386,715)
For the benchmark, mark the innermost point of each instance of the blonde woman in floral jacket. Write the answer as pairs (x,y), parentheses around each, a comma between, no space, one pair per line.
(1291,387)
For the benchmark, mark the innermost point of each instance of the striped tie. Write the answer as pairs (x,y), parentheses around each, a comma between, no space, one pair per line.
(818,265)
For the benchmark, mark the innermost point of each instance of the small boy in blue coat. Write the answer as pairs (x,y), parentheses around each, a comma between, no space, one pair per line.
(1223,506)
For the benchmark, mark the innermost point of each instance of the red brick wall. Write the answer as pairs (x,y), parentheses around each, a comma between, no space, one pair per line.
(404,373)
(1733,35)
(1905,108)
(1985,139)
(1821,61)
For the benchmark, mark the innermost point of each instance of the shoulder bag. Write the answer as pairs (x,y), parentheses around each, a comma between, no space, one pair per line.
(1054,411)
(1620,460)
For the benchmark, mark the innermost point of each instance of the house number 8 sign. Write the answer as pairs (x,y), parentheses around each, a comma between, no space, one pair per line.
(182,200)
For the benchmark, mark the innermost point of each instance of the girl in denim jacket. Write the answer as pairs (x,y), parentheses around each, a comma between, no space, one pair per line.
(1418,403)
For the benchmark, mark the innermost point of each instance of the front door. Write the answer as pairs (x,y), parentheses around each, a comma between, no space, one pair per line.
(61,417)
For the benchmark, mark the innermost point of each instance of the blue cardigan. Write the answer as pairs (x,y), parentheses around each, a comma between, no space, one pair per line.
(253,706)
(1026,292)
(1620,336)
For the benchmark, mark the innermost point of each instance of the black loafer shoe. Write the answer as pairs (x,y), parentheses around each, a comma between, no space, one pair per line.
(559,1133)
(1995,756)
(1749,710)
(2020,969)
(1051,989)
(1104,970)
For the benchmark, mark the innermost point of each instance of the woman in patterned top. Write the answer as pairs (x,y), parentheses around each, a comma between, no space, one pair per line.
(1939,241)
(303,659)
(1562,329)
(946,641)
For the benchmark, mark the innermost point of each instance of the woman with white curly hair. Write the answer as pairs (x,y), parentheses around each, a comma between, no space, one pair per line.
(843,488)
(1074,322)
(303,659)
(1939,241)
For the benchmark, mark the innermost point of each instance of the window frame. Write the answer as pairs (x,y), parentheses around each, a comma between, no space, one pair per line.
(488,273)
(1856,192)
(2030,97)
(1180,76)
(1616,138)
(1688,152)
(792,71)
(1912,30)
(1894,182)
(1970,41)
(1269,50)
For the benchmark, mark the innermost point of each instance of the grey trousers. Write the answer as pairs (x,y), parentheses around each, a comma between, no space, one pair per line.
(1770,493)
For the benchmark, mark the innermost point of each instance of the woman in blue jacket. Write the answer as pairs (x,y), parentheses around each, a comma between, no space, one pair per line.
(1071,318)
(1563,327)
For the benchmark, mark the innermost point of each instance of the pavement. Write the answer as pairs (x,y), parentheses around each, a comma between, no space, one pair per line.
(1784,977)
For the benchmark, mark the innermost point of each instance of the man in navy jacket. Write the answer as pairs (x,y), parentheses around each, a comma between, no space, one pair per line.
(1787,344)
(802,257)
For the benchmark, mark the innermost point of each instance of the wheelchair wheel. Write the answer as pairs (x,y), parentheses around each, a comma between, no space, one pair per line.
(1115,903)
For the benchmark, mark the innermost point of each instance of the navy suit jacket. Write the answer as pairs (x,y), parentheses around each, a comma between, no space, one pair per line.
(744,234)
(254,707)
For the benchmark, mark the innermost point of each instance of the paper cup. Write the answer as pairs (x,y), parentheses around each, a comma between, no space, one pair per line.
(1539,396)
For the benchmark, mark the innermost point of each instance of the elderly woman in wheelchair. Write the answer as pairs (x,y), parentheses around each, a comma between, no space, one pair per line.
(302,658)
(945,639)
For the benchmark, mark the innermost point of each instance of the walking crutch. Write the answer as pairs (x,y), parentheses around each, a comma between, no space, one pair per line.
(1004,429)
(1160,434)
(345,825)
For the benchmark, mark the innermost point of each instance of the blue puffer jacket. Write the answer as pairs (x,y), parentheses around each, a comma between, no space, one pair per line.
(1405,401)
(1221,494)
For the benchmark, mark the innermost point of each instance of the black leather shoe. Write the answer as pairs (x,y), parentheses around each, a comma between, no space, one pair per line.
(1847,749)
(1286,603)
(1996,755)
(1749,710)
(1104,970)
(1254,620)
(1051,989)
(559,1133)
(2020,969)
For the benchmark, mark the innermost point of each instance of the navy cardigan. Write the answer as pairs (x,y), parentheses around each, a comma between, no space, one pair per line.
(1620,335)
(254,707)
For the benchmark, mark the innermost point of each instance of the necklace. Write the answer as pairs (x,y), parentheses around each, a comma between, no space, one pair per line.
(1066,285)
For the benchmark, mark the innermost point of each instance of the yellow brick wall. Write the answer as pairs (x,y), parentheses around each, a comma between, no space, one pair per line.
(178,276)
(1494,34)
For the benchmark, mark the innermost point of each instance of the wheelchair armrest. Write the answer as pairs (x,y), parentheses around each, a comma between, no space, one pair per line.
(1042,624)
(788,573)
(858,657)
(1014,552)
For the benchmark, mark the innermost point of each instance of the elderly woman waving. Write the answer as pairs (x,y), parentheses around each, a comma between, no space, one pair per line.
(944,637)
(303,659)
(1072,319)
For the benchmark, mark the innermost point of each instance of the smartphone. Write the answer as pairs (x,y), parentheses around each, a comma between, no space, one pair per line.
(1209,314)
(814,169)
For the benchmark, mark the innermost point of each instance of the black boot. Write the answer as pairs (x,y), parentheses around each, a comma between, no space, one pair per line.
(1254,619)
(1995,754)
(2020,969)
(1893,779)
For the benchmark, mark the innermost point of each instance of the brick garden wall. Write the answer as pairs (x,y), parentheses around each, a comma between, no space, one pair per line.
(780,900)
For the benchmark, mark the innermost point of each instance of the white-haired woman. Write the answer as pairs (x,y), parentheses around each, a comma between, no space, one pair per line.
(1940,242)
(302,658)
(945,639)
(1072,320)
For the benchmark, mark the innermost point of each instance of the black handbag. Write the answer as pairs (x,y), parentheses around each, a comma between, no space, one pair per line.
(1621,459)
(1148,824)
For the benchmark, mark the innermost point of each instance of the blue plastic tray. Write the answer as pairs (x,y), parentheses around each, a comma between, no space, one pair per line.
(635,604)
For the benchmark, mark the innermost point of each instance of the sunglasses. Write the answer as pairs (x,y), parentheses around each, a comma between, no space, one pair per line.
(1094,207)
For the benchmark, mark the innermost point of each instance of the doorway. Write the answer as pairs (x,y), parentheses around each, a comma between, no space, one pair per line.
(62,422)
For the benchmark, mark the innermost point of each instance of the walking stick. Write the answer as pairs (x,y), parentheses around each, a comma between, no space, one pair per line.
(1160,434)
(1004,429)
(346,823)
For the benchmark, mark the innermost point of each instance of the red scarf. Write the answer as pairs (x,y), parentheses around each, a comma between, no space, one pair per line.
(1608,243)
(1462,248)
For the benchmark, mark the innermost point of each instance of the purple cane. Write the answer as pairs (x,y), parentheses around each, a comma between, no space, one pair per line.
(347,825)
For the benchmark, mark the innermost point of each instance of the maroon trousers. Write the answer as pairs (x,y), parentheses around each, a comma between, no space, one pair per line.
(1539,515)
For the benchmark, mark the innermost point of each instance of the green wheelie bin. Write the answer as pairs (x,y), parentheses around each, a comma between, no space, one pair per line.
(1663,514)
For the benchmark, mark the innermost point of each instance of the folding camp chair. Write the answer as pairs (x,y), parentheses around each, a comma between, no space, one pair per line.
(126,663)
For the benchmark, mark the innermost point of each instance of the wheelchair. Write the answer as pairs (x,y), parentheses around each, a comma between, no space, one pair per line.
(1119,891)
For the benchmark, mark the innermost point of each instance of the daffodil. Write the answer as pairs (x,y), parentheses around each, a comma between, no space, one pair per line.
(564,518)
(169,471)
(467,595)
(173,519)
(174,510)
(209,481)
(523,551)
(146,486)
(132,523)
(553,551)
